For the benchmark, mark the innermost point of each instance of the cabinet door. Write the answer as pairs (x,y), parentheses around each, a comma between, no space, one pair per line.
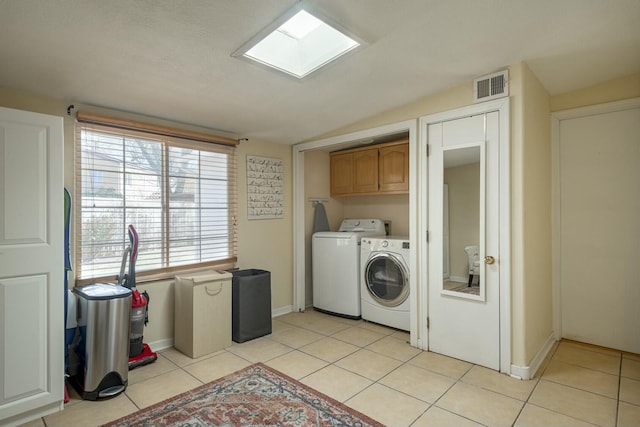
(365,171)
(394,168)
(31,266)
(341,174)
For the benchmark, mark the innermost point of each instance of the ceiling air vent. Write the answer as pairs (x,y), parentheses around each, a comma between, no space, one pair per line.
(492,86)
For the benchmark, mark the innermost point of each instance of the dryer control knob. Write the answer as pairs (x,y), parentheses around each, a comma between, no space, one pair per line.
(385,244)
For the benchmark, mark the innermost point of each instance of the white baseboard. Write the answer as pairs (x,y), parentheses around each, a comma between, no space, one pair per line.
(459,279)
(528,372)
(282,310)
(168,342)
(161,344)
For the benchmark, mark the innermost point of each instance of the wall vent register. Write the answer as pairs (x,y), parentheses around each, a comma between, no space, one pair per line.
(491,86)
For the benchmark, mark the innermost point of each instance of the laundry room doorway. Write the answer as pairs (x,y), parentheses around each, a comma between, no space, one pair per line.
(302,247)
(467,306)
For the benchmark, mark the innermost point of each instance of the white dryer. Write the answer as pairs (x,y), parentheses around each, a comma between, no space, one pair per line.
(336,266)
(385,281)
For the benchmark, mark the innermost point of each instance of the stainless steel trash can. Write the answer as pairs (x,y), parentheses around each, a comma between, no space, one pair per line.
(104,321)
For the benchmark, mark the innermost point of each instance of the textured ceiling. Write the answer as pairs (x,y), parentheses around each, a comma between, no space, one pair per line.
(172,58)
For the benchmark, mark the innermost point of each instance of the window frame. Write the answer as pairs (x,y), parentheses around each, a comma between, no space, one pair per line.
(168,137)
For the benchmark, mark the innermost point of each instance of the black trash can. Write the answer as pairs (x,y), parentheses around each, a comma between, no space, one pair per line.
(250,304)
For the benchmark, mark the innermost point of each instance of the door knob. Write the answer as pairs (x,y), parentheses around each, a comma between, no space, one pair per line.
(489,259)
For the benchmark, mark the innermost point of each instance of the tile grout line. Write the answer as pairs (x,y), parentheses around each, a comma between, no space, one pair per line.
(525,402)
(619,389)
(537,380)
(455,380)
(540,381)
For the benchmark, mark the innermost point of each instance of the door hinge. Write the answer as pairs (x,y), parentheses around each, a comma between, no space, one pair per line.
(427,235)
(427,150)
(427,323)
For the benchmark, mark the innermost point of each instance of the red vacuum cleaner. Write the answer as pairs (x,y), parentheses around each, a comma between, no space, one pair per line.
(139,352)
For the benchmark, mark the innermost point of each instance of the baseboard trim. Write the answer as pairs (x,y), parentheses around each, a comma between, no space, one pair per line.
(281,311)
(528,372)
(168,342)
(161,344)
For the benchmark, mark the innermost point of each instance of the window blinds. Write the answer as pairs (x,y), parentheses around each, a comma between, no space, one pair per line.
(179,194)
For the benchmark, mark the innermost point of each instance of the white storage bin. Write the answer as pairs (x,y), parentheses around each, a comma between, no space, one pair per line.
(202,313)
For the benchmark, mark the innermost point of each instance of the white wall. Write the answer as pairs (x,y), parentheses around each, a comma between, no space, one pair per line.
(531,296)
(317,184)
(389,207)
(267,244)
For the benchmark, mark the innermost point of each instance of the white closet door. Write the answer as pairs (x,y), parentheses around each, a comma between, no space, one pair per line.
(462,324)
(599,180)
(31,265)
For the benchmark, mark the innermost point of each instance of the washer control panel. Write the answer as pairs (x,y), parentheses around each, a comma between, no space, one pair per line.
(387,243)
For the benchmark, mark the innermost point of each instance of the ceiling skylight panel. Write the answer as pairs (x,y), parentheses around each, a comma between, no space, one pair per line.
(299,46)
(301,24)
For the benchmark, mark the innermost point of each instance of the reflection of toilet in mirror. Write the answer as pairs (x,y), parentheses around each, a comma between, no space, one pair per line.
(474,263)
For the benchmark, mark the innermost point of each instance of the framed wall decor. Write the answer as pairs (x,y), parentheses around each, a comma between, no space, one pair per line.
(265,198)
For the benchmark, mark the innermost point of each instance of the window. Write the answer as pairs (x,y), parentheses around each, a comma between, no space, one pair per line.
(298,43)
(179,194)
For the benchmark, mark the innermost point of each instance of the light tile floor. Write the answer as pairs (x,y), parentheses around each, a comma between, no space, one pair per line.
(372,369)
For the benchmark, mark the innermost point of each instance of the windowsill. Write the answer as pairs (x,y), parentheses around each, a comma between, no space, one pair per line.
(164,275)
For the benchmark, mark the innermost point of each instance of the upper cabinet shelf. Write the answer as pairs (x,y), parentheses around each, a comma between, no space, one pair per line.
(375,169)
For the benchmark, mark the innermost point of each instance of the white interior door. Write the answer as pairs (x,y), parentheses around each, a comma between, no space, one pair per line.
(599,210)
(464,321)
(31,265)
(445,232)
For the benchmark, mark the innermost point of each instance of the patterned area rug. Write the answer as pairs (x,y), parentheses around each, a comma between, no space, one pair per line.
(253,396)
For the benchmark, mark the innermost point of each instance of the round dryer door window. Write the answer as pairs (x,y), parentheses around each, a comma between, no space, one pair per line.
(387,279)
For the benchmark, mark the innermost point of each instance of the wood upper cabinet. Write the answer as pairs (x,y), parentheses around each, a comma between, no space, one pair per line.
(393,167)
(365,171)
(378,169)
(341,173)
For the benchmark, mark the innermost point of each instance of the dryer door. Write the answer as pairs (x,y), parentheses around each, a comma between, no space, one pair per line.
(387,279)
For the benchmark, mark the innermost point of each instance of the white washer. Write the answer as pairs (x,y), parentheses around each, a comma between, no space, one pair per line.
(336,266)
(385,281)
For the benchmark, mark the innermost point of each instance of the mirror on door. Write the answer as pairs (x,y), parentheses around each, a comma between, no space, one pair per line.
(462,233)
